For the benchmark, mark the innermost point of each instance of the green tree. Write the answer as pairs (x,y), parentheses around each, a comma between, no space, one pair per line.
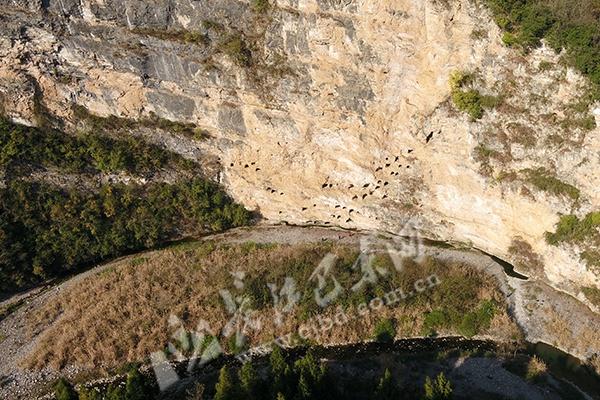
(248,381)
(386,388)
(226,389)
(196,393)
(63,390)
(385,331)
(135,387)
(279,371)
(311,376)
(438,389)
(89,394)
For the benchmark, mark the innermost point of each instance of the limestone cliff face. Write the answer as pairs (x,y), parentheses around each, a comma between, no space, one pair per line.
(332,112)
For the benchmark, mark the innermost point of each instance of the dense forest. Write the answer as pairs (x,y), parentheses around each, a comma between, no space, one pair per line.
(48,230)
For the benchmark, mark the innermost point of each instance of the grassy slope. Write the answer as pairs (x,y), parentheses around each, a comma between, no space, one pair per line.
(122,314)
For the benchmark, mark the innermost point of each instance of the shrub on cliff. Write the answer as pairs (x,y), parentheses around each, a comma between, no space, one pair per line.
(260,6)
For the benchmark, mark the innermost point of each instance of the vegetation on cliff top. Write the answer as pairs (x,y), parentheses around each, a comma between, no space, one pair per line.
(573,26)
(22,146)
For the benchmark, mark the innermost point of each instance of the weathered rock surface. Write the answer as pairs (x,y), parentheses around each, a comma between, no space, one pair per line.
(329,112)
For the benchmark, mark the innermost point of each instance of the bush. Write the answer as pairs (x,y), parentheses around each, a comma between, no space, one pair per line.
(135,386)
(571,229)
(249,381)
(385,331)
(386,388)
(467,323)
(226,388)
(235,47)
(438,389)
(468,101)
(476,321)
(544,180)
(434,320)
(260,6)
(509,39)
(592,294)
(63,390)
(21,145)
(536,369)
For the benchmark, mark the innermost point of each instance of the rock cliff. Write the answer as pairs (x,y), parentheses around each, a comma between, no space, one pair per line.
(332,112)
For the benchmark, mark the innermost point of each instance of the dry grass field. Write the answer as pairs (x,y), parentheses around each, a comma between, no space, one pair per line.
(122,313)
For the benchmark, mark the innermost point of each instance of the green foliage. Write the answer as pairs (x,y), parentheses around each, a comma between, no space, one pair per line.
(509,39)
(592,294)
(94,123)
(47,231)
(571,229)
(468,323)
(279,371)
(385,331)
(546,66)
(89,394)
(386,388)
(475,321)
(63,390)
(135,387)
(310,374)
(438,389)
(459,79)
(560,22)
(305,379)
(468,101)
(434,320)
(226,388)
(235,47)
(249,381)
(591,258)
(21,145)
(490,101)
(260,6)
(544,180)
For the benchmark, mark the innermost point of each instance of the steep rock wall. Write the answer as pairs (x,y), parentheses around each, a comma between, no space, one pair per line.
(329,112)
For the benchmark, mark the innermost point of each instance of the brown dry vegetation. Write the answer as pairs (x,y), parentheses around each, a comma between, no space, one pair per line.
(574,341)
(121,314)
